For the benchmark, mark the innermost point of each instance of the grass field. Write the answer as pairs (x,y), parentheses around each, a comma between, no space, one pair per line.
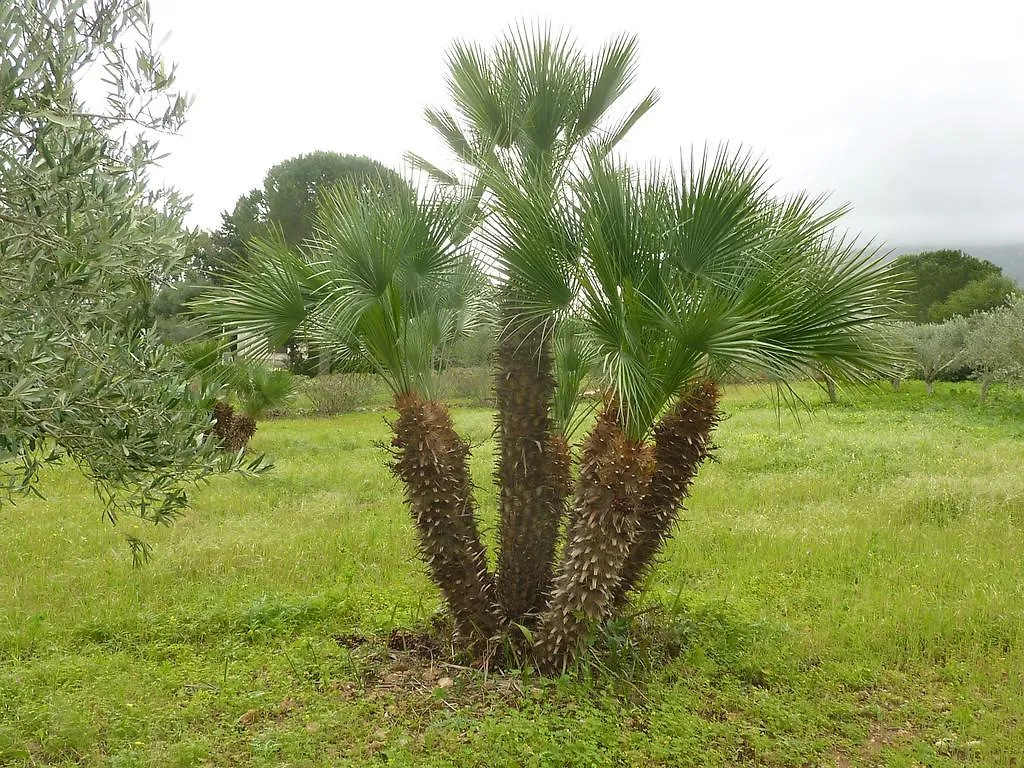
(845,589)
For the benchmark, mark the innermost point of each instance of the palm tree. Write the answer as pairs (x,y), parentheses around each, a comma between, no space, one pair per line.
(657,282)
(683,277)
(525,114)
(389,287)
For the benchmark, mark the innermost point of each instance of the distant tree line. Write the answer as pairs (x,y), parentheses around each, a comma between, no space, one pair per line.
(949,283)
(965,319)
(284,209)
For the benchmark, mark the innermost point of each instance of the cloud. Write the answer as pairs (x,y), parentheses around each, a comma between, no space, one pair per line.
(908,111)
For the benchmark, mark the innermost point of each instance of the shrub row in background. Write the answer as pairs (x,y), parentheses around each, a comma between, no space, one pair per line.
(337,393)
(467,386)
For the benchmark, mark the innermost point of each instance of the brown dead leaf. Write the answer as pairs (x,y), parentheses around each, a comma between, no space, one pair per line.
(249,717)
(287,705)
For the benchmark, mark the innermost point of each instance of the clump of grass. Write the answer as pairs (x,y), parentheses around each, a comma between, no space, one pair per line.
(937,504)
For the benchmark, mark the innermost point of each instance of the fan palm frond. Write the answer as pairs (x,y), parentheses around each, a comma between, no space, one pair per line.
(399,283)
(574,360)
(526,113)
(265,300)
(616,132)
(705,271)
(433,172)
(383,288)
(609,75)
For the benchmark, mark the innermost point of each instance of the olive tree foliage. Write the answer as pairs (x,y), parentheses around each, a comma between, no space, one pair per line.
(83,242)
(932,348)
(994,347)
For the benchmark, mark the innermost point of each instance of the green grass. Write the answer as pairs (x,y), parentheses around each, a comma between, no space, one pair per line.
(845,589)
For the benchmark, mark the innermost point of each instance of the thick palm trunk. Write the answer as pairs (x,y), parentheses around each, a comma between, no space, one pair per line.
(433,463)
(682,441)
(614,475)
(233,430)
(529,475)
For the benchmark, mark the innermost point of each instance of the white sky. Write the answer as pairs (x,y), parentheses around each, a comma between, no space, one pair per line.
(911,111)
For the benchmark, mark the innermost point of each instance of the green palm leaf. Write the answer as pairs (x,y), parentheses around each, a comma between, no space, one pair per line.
(265,300)
(574,361)
(399,282)
(526,113)
(433,172)
(609,76)
(386,286)
(706,272)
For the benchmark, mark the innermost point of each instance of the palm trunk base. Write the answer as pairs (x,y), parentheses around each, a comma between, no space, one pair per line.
(433,463)
(614,475)
(232,430)
(627,498)
(682,442)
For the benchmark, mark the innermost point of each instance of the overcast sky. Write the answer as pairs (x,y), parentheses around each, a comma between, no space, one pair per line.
(911,111)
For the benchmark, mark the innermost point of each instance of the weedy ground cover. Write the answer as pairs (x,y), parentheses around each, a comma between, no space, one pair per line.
(845,589)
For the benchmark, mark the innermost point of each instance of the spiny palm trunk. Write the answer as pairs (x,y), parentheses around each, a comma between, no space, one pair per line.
(682,441)
(233,430)
(529,474)
(614,475)
(433,463)
(561,468)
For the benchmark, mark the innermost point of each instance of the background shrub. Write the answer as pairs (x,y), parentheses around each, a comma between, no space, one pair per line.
(343,392)
(468,386)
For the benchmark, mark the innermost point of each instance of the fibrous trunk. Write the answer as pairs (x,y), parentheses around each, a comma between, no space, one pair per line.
(561,467)
(233,430)
(614,475)
(223,415)
(433,463)
(682,441)
(529,474)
